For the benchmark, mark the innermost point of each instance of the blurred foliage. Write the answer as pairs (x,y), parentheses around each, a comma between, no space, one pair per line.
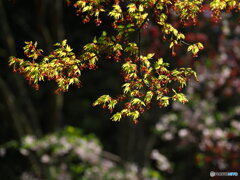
(68,154)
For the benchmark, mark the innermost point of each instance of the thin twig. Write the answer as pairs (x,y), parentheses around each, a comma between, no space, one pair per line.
(184,42)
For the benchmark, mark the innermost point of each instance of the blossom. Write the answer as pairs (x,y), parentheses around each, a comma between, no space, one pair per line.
(162,162)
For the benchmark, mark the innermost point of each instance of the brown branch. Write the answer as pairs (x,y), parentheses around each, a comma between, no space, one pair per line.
(40,22)
(112,157)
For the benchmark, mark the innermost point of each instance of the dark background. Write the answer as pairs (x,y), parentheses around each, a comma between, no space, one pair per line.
(24,110)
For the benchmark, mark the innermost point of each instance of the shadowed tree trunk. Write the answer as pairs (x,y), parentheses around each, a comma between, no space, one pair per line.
(25,125)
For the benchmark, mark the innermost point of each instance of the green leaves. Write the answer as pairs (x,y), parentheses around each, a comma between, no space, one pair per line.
(126,88)
(132,48)
(145,78)
(112,104)
(88,9)
(106,101)
(129,68)
(135,115)
(31,50)
(179,97)
(188,9)
(61,65)
(116,117)
(102,100)
(195,48)
(131,8)
(164,101)
(116,13)
(148,97)
(137,101)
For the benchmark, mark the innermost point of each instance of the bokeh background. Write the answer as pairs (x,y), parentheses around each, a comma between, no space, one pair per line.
(61,136)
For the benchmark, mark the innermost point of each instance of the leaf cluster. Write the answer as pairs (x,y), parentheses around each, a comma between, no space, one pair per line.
(146,78)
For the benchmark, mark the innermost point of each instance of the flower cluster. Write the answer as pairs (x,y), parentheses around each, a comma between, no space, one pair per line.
(72,155)
(206,123)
